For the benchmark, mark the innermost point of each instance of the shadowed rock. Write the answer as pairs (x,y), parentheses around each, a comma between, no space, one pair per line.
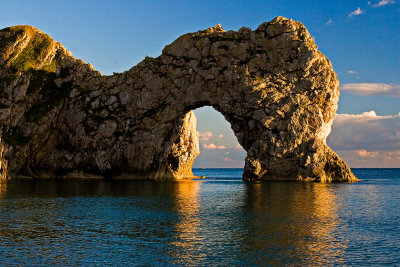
(61,118)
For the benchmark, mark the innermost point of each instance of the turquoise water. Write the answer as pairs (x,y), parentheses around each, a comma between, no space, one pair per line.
(219,220)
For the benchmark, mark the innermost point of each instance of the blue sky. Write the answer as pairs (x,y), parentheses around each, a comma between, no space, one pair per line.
(361,38)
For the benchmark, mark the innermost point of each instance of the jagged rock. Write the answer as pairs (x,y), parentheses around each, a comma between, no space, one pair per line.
(61,118)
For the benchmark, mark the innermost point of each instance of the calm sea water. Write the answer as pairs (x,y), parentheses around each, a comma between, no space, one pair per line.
(219,220)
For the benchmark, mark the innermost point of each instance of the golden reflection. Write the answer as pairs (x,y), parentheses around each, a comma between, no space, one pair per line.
(298,218)
(3,188)
(187,240)
(326,221)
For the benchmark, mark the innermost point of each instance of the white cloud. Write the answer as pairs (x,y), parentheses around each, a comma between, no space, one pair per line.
(213,146)
(367,139)
(366,154)
(329,22)
(223,158)
(363,117)
(227,159)
(372,89)
(238,147)
(205,136)
(365,131)
(221,136)
(383,3)
(352,72)
(356,12)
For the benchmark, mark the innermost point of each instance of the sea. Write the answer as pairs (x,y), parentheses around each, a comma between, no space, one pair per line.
(217,221)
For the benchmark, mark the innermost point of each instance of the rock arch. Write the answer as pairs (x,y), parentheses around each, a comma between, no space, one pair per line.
(62,118)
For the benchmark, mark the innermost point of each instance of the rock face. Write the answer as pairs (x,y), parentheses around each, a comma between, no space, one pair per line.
(61,118)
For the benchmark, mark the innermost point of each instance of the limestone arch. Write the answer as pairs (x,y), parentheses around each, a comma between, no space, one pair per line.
(274,87)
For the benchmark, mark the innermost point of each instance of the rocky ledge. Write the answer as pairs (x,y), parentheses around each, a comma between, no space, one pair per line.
(61,118)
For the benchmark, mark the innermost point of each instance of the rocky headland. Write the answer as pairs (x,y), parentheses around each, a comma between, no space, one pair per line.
(61,118)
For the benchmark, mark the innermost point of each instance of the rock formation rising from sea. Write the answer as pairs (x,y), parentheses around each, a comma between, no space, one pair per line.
(61,118)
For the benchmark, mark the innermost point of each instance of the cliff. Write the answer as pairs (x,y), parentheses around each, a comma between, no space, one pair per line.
(61,118)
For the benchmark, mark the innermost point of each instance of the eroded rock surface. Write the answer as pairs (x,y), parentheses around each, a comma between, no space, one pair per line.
(61,118)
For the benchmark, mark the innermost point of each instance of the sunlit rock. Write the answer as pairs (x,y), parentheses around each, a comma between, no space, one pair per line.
(62,118)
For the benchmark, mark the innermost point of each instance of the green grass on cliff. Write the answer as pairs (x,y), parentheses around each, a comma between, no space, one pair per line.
(31,59)
(9,36)
(32,55)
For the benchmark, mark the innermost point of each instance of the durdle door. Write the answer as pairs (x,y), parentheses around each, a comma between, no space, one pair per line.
(61,118)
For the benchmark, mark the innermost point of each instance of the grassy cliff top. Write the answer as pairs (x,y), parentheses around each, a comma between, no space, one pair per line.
(24,47)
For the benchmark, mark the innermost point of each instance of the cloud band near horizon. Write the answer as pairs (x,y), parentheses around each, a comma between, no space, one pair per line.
(367,139)
(372,89)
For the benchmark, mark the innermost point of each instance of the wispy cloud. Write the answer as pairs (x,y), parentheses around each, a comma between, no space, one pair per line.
(329,22)
(228,159)
(383,3)
(238,147)
(352,72)
(371,159)
(356,12)
(205,136)
(366,154)
(372,89)
(220,158)
(213,146)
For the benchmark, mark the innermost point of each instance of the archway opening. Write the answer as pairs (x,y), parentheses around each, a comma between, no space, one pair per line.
(219,147)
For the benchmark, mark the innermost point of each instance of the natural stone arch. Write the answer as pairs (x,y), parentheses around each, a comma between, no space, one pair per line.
(60,117)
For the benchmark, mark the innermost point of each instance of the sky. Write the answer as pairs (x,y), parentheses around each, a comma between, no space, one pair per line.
(361,38)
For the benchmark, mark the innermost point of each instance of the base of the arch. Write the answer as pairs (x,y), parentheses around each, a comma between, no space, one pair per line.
(322,166)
